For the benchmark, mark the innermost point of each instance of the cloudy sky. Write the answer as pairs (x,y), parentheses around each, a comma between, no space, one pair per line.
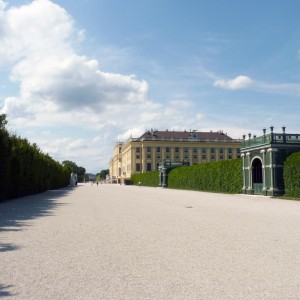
(76,76)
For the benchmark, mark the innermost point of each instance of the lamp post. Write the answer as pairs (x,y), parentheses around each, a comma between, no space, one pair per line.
(272,128)
(284,136)
(264,131)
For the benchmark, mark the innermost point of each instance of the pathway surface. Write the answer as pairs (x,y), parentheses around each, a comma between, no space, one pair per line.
(126,242)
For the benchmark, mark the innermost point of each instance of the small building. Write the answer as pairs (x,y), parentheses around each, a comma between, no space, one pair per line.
(164,168)
(263,159)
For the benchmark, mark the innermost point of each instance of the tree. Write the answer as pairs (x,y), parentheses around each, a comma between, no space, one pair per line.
(71,165)
(103,174)
(80,171)
(3,121)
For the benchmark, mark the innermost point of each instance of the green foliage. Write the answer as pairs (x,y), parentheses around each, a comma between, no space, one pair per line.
(146,179)
(3,121)
(24,169)
(102,174)
(291,174)
(223,176)
(80,171)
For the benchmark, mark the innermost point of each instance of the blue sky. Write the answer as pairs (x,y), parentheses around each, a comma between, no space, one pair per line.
(77,76)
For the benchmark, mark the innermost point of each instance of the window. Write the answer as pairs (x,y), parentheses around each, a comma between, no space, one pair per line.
(137,156)
(177,156)
(149,155)
(167,149)
(157,149)
(203,150)
(158,155)
(212,150)
(148,149)
(221,156)
(238,150)
(138,149)
(221,150)
(230,150)
(203,156)
(186,149)
(195,156)
(186,156)
(148,167)
(138,167)
(167,155)
(176,149)
(230,156)
(120,149)
(212,156)
(195,149)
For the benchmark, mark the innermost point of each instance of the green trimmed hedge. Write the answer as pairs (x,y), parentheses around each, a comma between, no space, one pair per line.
(146,179)
(24,169)
(223,176)
(291,175)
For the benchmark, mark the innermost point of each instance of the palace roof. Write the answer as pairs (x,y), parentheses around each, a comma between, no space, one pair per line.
(167,134)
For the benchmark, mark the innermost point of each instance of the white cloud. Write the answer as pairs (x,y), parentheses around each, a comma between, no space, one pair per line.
(36,41)
(240,82)
(82,109)
(2,4)
(60,88)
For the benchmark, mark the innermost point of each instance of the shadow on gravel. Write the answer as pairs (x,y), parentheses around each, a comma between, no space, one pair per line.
(15,212)
(4,292)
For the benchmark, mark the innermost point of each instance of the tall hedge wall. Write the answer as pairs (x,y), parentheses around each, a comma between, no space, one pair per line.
(25,170)
(223,176)
(291,174)
(146,179)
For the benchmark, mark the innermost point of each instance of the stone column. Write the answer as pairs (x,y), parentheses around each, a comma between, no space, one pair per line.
(263,152)
(244,178)
(250,190)
(273,186)
(164,180)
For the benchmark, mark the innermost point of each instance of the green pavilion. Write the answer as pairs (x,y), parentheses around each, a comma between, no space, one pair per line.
(263,159)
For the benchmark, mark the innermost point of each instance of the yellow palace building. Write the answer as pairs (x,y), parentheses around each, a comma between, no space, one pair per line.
(143,154)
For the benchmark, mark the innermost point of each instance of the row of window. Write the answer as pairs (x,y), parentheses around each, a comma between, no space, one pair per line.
(186,149)
(186,156)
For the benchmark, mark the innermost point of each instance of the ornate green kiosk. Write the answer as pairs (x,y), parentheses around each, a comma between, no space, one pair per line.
(263,159)
(164,168)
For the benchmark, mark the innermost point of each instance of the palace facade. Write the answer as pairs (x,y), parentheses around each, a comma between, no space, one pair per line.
(143,154)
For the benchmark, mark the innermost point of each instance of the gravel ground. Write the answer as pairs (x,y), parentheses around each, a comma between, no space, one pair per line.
(126,242)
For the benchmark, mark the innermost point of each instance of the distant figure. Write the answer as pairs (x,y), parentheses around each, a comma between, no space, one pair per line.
(97,183)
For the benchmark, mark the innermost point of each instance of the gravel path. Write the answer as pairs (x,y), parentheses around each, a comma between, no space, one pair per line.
(126,242)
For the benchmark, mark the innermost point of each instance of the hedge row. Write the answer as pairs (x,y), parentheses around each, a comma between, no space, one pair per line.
(145,179)
(24,169)
(291,174)
(223,176)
